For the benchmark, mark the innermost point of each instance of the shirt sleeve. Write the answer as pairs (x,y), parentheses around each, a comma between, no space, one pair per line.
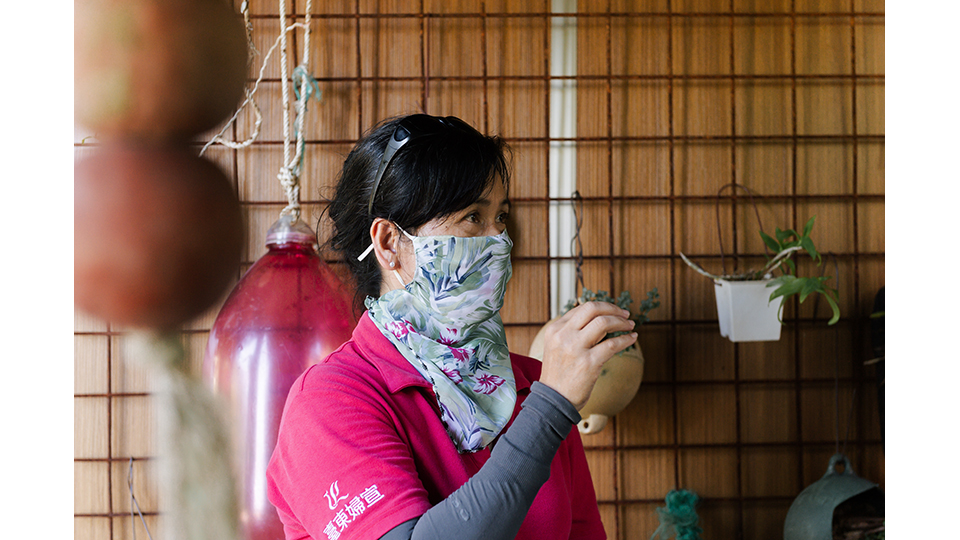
(340,468)
(493,504)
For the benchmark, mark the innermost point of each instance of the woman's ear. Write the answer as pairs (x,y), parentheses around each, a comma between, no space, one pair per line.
(386,241)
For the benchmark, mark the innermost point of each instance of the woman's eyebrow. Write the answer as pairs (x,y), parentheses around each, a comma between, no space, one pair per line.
(483,201)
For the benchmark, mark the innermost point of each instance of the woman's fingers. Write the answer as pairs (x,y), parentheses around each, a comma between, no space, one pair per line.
(583,314)
(598,328)
(616,344)
(575,349)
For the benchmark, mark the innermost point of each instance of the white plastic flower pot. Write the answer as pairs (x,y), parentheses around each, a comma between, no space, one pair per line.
(746,312)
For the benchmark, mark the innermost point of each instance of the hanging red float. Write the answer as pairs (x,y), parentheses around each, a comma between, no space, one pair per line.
(288,312)
(156,69)
(157,234)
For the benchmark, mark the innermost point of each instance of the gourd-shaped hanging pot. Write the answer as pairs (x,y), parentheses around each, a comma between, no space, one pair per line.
(615,388)
(288,312)
(811,516)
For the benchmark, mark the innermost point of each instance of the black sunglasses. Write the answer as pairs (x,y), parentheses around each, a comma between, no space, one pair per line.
(415,124)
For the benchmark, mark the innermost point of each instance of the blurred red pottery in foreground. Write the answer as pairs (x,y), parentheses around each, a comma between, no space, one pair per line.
(157,235)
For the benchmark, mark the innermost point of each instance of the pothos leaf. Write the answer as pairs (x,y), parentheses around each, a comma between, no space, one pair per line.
(770,242)
(809,226)
(810,286)
(807,244)
(834,307)
(789,285)
(782,236)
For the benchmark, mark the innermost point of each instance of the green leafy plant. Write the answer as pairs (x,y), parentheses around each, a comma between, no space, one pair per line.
(651,302)
(784,244)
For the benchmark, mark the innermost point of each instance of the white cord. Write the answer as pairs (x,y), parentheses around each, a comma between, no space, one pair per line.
(218,138)
(289,175)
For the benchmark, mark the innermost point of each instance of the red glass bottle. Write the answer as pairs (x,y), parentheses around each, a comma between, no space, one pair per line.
(286,313)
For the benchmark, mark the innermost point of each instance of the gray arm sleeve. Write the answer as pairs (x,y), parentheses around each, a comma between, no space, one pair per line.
(493,504)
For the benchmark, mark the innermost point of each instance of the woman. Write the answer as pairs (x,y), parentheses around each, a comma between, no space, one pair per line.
(423,425)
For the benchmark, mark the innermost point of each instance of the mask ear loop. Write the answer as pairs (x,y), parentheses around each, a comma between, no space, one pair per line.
(396,274)
(399,279)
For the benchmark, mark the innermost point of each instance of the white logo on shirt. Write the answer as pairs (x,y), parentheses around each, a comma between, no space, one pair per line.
(352,511)
(333,496)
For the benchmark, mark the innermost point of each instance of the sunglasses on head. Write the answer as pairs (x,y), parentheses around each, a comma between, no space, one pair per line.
(407,128)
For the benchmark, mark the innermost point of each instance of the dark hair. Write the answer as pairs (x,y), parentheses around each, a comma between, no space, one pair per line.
(438,171)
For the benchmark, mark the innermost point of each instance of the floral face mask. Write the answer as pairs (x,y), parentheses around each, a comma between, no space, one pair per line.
(446,323)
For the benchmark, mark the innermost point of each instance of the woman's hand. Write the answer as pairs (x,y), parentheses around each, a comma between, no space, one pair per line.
(573,353)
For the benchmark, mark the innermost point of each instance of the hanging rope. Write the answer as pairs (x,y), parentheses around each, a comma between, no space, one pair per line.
(248,27)
(678,519)
(218,138)
(305,87)
(196,477)
(750,193)
(135,504)
(289,174)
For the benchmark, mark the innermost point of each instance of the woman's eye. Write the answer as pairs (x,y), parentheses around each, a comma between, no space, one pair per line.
(473,217)
(502,218)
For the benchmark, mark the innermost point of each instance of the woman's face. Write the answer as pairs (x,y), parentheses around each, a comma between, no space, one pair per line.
(485,217)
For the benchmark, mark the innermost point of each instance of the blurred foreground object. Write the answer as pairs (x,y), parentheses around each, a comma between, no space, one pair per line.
(157,235)
(156,69)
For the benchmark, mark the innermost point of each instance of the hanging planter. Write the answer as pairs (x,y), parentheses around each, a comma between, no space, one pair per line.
(159,230)
(156,70)
(620,377)
(749,304)
(839,505)
(615,388)
(288,312)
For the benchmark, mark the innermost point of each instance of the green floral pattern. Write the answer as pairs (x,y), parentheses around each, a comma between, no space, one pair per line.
(447,324)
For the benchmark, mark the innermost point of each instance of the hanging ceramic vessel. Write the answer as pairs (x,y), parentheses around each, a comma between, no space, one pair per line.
(615,388)
(745,311)
(813,514)
(288,312)
(157,69)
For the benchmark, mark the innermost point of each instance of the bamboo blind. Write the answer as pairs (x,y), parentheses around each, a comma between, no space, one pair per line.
(675,99)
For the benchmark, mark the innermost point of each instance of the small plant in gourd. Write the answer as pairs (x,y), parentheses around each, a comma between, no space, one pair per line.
(623,301)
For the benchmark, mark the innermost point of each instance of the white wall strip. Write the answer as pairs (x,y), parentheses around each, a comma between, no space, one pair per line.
(563,154)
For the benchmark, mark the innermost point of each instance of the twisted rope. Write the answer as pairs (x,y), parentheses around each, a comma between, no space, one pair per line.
(305,86)
(289,174)
(248,27)
(218,138)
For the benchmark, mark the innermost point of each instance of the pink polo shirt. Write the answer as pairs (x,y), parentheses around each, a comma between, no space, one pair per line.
(361,449)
